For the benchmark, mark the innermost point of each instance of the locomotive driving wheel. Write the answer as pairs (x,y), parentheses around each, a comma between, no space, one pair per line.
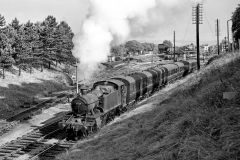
(103,120)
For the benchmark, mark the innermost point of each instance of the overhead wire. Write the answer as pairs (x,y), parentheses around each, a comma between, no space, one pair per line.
(187,28)
(184,40)
(205,15)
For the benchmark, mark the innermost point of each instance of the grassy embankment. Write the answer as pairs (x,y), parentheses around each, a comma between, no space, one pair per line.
(17,91)
(194,123)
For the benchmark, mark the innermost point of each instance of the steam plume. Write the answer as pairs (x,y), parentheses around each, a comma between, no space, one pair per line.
(108,21)
(111,21)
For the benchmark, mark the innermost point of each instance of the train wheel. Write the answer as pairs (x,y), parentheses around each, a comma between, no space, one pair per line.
(76,138)
(118,111)
(133,104)
(124,109)
(103,120)
(109,118)
(76,135)
(70,134)
(67,139)
(95,128)
(111,115)
(147,95)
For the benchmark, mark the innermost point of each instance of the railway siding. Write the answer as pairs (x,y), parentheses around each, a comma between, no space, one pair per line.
(27,113)
(33,142)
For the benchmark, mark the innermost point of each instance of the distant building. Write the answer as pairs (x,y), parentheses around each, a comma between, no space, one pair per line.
(189,50)
(213,49)
(111,58)
(204,48)
(191,46)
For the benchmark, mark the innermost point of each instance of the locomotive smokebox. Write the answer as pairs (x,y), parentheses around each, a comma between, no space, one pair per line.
(84,104)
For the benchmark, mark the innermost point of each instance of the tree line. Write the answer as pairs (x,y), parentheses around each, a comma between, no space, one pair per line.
(134,46)
(236,24)
(35,45)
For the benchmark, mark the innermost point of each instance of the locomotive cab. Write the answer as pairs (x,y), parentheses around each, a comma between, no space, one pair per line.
(106,89)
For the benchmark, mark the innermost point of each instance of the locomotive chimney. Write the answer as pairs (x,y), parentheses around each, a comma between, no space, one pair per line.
(83,89)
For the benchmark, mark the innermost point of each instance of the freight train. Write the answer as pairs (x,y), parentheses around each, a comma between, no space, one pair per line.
(109,98)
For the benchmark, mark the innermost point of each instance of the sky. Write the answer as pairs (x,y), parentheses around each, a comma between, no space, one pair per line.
(162,20)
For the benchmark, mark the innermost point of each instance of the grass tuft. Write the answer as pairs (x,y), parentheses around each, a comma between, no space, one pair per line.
(16,92)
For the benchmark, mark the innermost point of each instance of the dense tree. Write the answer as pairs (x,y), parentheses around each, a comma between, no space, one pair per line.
(48,38)
(15,24)
(118,50)
(155,49)
(3,37)
(29,38)
(2,21)
(7,36)
(133,46)
(6,59)
(148,46)
(236,23)
(35,44)
(168,43)
(64,45)
(39,53)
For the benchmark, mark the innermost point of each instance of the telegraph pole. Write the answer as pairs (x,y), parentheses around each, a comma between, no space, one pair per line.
(225,39)
(228,34)
(197,19)
(152,60)
(174,50)
(218,49)
(197,36)
(233,49)
(128,63)
(77,77)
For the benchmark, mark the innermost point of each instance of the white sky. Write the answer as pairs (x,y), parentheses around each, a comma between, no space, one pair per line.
(74,11)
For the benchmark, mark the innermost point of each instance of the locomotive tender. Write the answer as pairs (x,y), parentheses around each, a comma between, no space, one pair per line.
(111,97)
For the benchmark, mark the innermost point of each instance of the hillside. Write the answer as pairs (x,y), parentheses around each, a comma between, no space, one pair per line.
(18,91)
(186,120)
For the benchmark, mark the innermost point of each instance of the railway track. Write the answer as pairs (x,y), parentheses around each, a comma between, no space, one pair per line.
(36,145)
(27,113)
(34,142)
(51,151)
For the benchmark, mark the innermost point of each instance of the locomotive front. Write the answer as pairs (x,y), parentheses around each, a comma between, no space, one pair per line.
(83,118)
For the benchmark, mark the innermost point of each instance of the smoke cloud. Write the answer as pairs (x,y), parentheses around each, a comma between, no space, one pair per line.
(113,21)
(108,21)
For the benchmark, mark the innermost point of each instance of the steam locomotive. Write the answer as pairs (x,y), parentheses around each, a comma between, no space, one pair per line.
(109,98)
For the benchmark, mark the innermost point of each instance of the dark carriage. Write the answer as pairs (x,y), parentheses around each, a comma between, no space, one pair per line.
(189,66)
(163,74)
(155,78)
(131,88)
(149,77)
(172,70)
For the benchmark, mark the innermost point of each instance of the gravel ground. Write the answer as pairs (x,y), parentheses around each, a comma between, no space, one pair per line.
(37,120)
